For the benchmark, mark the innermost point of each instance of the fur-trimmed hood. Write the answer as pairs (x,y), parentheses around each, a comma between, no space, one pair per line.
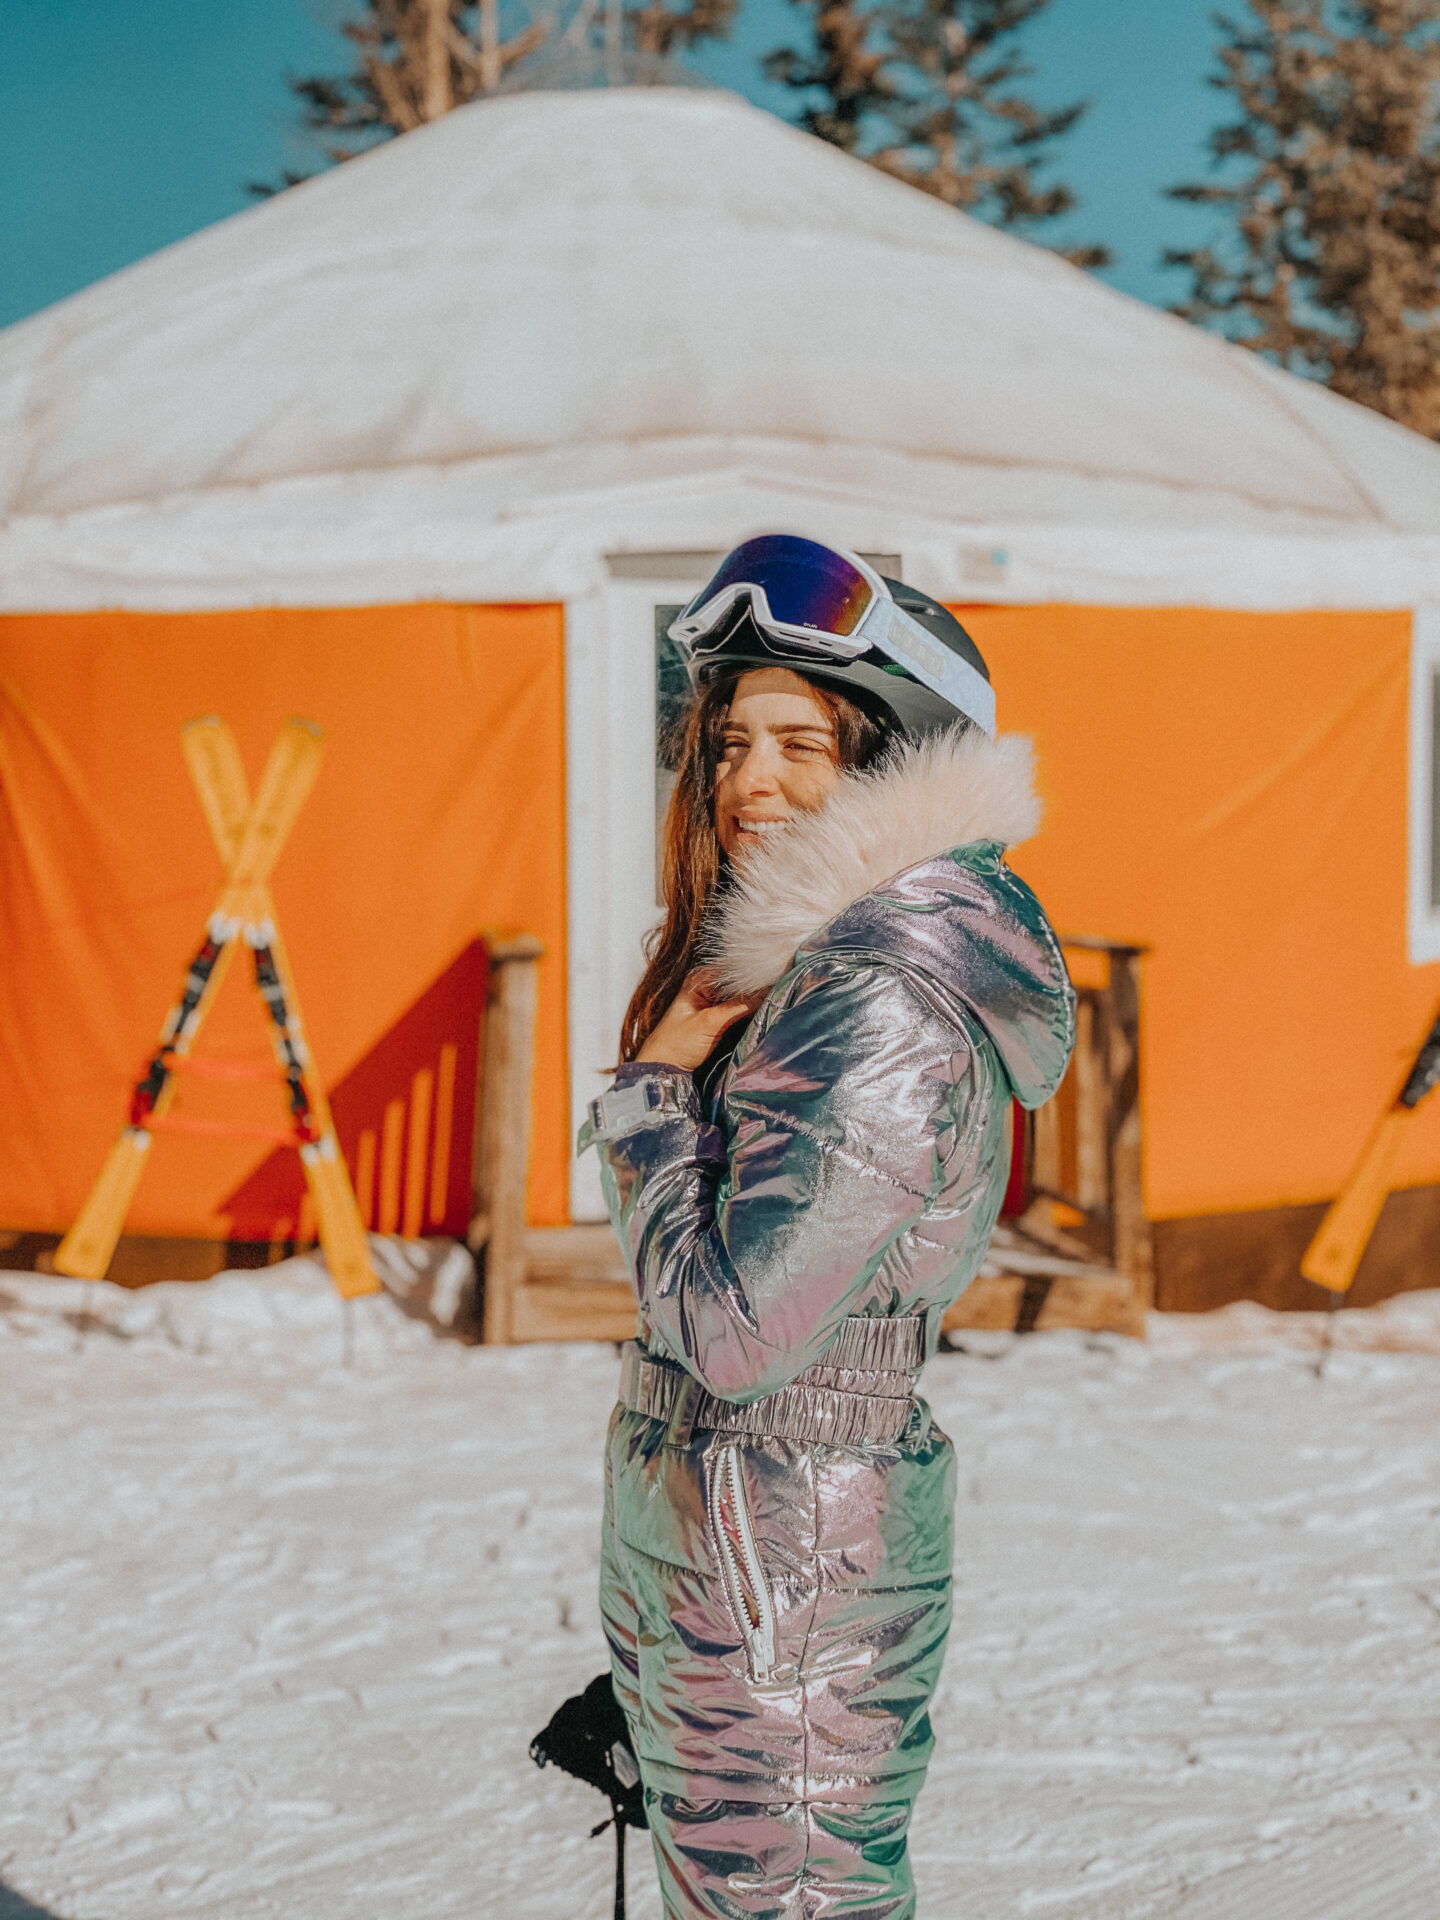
(903,863)
(946,791)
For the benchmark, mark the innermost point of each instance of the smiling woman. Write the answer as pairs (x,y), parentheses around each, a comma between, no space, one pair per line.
(754,749)
(780,755)
(782,739)
(803,1155)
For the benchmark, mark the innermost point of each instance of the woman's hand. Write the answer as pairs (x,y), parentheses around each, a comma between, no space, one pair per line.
(692,1023)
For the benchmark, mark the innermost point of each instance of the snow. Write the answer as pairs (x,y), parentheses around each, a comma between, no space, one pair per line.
(560,325)
(278,1628)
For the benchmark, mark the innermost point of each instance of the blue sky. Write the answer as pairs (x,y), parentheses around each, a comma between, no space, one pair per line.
(126,124)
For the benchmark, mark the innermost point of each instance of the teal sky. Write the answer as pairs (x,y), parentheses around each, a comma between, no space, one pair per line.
(127,124)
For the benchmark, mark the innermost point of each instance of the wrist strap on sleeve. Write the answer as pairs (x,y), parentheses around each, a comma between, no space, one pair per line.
(645,1103)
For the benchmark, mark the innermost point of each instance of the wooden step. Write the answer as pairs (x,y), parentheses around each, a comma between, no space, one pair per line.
(1095,1299)
(577,1288)
(562,1255)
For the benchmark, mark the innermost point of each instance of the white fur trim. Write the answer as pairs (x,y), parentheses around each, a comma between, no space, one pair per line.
(935,794)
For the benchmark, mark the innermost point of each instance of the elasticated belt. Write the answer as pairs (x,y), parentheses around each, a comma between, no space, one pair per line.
(863,1391)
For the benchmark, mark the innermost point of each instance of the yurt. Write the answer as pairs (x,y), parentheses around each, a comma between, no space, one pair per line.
(423,449)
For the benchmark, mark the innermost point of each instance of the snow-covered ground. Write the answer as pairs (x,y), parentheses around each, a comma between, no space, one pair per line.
(277,1630)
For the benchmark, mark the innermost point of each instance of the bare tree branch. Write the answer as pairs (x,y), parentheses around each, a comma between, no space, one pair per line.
(390,91)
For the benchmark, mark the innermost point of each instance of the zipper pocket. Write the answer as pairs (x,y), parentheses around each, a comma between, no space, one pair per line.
(744,1576)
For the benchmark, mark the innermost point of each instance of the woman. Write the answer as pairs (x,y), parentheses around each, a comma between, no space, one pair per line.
(804,1152)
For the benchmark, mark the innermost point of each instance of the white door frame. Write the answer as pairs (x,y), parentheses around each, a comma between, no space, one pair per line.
(1423,913)
(610,821)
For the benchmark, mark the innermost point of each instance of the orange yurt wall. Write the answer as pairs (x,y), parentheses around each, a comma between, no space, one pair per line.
(438,815)
(1230,789)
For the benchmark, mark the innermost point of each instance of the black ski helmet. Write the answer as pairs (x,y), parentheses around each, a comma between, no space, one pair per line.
(876,683)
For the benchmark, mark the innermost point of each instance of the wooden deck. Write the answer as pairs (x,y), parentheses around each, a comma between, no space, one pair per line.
(1079,1256)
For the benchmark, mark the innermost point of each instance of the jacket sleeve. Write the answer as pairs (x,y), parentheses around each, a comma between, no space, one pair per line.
(749,1241)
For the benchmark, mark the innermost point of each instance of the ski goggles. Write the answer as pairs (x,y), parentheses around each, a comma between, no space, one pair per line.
(812,603)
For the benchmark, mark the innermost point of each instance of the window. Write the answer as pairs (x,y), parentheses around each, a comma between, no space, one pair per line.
(1424,889)
(672,696)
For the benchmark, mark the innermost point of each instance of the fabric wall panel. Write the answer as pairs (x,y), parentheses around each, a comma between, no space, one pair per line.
(438,815)
(1230,789)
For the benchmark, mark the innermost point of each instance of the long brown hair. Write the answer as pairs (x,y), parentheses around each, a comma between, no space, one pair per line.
(694,864)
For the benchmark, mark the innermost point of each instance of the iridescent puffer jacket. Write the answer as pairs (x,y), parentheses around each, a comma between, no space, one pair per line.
(849,1160)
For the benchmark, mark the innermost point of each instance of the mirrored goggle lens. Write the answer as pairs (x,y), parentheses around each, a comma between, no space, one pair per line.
(805,584)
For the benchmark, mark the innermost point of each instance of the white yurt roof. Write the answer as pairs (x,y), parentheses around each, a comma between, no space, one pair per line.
(558,326)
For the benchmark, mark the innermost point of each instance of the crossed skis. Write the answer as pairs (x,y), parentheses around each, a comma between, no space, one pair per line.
(249,839)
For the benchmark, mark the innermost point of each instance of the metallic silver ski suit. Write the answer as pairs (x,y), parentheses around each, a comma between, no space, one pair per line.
(777,1609)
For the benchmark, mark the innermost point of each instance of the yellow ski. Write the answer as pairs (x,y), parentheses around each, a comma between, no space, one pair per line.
(342,1232)
(285,786)
(218,773)
(87,1249)
(1333,1257)
(337,1216)
(249,839)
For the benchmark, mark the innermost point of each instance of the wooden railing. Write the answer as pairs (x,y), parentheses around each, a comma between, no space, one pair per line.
(503,1115)
(1080,1255)
(1085,1143)
(539,1283)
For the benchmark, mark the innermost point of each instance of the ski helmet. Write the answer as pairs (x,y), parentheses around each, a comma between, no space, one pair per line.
(825,613)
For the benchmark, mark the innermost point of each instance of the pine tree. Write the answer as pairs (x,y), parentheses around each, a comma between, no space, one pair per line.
(929,91)
(419,59)
(848,64)
(658,29)
(1334,267)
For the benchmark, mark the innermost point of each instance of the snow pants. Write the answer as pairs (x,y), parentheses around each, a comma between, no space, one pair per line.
(776,1613)
(815,1860)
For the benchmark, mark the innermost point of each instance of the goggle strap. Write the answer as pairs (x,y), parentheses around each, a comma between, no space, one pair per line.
(890,629)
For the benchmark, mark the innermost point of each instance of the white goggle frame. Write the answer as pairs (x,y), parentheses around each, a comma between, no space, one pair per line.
(884,626)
